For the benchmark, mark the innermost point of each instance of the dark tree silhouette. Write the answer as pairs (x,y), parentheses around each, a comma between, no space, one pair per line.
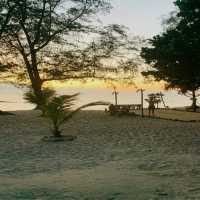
(44,39)
(175,54)
(37,24)
(7,11)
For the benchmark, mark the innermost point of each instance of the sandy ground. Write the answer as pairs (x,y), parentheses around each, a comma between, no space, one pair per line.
(114,158)
(174,114)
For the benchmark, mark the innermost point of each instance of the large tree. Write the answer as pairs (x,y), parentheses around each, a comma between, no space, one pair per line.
(175,54)
(51,40)
(36,24)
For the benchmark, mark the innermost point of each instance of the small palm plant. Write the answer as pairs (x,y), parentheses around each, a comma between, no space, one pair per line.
(58,109)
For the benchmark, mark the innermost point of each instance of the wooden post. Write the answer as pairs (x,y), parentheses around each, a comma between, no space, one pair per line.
(142,101)
(161,96)
(115,94)
(116,98)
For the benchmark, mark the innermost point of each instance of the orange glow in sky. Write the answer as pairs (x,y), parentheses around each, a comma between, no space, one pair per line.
(138,83)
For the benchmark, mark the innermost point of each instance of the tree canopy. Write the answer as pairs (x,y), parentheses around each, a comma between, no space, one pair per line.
(175,54)
(57,40)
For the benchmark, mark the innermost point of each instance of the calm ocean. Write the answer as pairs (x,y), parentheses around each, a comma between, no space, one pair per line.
(13,97)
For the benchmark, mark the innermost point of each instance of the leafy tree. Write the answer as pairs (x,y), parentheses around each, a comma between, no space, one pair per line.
(37,25)
(175,54)
(43,38)
(155,97)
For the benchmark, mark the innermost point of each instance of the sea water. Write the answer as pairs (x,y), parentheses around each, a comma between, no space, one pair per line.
(11,97)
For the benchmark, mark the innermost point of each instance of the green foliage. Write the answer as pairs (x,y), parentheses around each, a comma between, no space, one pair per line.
(6,12)
(154,98)
(4,68)
(56,108)
(174,55)
(59,110)
(39,100)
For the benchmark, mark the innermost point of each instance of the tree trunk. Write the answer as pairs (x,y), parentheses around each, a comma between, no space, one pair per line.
(36,80)
(56,131)
(31,64)
(34,76)
(33,73)
(194,101)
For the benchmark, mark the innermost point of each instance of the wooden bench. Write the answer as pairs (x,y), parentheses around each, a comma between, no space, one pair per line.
(124,108)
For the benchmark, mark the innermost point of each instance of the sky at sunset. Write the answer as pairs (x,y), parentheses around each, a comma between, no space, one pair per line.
(143,18)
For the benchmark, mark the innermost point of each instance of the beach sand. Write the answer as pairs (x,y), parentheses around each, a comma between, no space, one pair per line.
(113,158)
(174,114)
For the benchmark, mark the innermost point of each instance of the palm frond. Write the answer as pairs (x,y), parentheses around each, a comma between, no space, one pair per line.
(59,107)
(42,99)
(7,102)
(59,110)
(97,103)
